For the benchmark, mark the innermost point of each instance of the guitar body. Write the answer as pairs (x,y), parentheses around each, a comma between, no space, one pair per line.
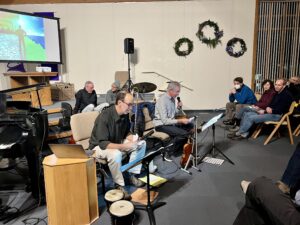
(187,151)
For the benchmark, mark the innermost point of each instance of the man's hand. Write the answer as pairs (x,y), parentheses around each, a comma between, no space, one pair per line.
(261,111)
(269,110)
(232,91)
(183,120)
(179,105)
(129,145)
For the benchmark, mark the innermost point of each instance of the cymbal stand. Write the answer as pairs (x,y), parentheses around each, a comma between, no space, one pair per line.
(194,155)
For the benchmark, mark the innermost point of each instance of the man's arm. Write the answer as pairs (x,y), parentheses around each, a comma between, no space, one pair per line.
(78,101)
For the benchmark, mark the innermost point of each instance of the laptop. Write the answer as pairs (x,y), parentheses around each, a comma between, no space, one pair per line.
(71,151)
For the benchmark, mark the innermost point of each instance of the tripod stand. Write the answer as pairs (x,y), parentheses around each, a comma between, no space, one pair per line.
(214,148)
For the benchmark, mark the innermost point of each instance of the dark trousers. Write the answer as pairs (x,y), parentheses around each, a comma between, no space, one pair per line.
(179,134)
(267,205)
(292,172)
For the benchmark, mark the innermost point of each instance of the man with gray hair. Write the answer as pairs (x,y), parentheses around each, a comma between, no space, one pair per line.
(86,99)
(165,121)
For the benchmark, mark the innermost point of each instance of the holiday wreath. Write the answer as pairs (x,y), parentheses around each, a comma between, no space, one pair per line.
(212,43)
(231,44)
(179,44)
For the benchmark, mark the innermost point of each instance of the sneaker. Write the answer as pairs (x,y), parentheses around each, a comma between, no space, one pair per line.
(228,122)
(126,195)
(244,185)
(167,157)
(234,129)
(231,135)
(136,182)
(153,169)
(283,187)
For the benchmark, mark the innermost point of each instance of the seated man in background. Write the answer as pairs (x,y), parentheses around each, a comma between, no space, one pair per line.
(111,139)
(86,99)
(279,105)
(240,96)
(294,87)
(111,94)
(164,120)
(265,204)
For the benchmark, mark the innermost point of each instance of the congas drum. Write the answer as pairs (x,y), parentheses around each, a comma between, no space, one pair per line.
(113,196)
(122,213)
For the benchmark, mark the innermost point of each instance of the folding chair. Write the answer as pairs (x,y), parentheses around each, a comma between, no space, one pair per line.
(285,120)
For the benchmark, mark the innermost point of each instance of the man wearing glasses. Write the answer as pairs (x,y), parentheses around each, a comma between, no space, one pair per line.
(111,139)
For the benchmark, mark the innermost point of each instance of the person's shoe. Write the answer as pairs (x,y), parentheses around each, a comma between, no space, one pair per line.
(126,195)
(228,122)
(153,169)
(136,182)
(231,135)
(244,185)
(167,157)
(234,129)
(283,187)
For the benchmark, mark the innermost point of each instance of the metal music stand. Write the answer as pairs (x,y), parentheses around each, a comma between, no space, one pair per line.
(214,148)
(146,161)
(194,155)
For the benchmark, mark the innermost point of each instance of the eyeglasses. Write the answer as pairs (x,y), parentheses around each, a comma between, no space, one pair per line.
(128,104)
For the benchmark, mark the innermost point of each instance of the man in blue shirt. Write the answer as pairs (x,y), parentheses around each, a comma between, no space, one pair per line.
(240,96)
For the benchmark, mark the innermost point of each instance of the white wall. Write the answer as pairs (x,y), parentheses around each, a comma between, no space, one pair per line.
(94,35)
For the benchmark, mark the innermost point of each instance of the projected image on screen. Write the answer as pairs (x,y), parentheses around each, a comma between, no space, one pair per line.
(28,38)
(22,37)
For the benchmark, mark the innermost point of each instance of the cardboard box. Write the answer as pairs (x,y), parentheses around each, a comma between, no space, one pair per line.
(62,91)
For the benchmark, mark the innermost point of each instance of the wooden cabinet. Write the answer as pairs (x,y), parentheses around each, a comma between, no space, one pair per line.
(71,191)
(19,79)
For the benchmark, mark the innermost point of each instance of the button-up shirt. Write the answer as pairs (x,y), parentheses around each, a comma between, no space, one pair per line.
(165,111)
(109,128)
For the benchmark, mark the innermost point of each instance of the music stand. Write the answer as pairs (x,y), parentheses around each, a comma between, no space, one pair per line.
(214,148)
(146,161)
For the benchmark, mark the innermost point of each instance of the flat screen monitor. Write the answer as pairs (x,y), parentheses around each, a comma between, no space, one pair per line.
(28,38)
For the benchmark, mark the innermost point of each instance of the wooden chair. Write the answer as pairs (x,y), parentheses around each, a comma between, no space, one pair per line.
(82,125)
(297,130)
(162,137)
(285,120)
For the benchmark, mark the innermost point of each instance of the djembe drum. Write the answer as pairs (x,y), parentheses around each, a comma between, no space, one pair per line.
(122,213)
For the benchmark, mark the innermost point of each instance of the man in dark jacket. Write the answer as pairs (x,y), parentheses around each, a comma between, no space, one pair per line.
(86,99)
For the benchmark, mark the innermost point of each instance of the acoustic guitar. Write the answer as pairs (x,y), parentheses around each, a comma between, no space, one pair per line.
(187,151)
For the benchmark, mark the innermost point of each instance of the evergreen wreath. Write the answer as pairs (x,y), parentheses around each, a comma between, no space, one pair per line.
(230,47)
(211,43)
(179,43)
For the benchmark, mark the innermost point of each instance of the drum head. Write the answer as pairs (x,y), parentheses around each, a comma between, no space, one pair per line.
(121,208)
(114,195)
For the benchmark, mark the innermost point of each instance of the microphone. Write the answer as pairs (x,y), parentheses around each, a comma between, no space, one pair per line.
(179,100)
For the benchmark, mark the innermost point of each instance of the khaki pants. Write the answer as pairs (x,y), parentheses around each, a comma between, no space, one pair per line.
(232,108)
(114,159)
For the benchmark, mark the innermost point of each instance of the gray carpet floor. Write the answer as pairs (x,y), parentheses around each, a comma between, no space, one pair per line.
(210,197)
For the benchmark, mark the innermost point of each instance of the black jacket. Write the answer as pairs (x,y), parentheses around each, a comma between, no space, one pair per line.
(281,102)
(83,99)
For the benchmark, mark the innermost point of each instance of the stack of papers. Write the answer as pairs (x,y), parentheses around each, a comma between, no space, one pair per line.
(154,180)
(213,161)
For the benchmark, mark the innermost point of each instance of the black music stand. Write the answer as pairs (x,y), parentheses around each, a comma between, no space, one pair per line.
(146,161)
(214,148)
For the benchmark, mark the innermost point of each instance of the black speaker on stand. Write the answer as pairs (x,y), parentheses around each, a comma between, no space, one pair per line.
(129,49)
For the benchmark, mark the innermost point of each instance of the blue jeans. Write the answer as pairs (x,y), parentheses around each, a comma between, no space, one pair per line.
(240,114)
(252,117)
(292,172)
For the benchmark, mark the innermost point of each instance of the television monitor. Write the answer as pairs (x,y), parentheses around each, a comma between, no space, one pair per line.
(28,38)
